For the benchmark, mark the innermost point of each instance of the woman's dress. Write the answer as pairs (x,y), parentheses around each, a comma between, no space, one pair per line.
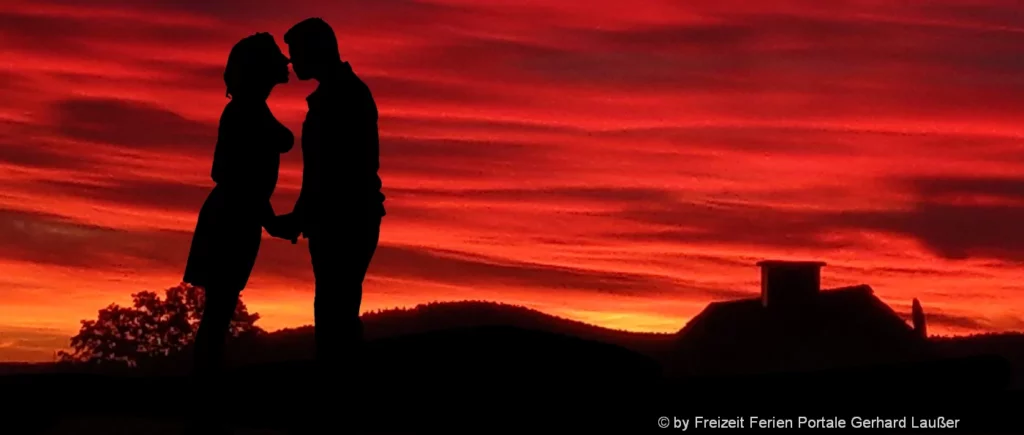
(246,160)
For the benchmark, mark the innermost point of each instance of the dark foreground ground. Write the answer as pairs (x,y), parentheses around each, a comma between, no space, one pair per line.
(502,380)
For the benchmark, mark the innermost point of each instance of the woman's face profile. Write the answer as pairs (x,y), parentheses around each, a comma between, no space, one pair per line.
(279,67)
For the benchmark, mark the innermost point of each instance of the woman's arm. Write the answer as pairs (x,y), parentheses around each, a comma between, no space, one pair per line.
(232,158)
(223,151)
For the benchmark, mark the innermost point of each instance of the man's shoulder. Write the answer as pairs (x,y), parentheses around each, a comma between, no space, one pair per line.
(351,102)
(341,94)
(355,90)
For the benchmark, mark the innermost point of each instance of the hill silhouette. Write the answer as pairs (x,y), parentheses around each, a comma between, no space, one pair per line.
(1008,345)
(412,374)
(292,344)
(452,366)
(297,343)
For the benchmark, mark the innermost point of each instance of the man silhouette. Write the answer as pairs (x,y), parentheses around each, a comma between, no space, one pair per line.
(340,205)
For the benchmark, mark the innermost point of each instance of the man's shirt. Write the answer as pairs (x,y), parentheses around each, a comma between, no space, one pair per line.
(340,155)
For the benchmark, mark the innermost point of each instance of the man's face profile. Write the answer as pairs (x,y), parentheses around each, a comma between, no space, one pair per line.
(300,62)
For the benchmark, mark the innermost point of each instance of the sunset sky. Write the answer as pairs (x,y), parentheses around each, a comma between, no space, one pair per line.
(620,163)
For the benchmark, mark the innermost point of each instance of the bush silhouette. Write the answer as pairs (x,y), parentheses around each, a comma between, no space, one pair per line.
(150,329)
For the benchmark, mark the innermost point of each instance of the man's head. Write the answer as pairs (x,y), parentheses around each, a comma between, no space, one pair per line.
(313,48)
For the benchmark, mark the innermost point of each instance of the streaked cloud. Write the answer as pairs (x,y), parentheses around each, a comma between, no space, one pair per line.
(617,163)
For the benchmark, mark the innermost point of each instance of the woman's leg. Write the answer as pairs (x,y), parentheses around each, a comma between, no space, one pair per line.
(213,328)
(208,360)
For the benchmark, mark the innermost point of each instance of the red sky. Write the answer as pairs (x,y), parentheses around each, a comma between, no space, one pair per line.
(621,163)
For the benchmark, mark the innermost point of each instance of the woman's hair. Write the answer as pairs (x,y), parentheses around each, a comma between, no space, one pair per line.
(249,64)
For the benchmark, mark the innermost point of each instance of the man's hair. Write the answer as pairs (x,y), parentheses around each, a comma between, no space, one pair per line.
(316,36)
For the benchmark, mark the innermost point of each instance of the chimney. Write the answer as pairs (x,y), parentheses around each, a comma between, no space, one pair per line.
(789,284)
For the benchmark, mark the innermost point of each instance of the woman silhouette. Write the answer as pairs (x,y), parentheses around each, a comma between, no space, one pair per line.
(250,142)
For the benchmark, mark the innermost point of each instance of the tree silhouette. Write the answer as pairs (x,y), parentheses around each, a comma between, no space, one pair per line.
(150,328)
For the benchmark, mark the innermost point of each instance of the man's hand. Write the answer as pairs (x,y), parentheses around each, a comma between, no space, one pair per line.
(284,226)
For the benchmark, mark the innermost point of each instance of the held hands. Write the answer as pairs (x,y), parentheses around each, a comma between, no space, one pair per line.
(285,226)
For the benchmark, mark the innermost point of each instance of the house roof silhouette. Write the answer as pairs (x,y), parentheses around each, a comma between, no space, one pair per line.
(796,326)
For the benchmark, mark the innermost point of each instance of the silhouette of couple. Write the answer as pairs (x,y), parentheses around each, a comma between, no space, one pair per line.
(340,205)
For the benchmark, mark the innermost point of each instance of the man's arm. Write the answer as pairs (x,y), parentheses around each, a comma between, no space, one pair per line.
(301,201)
(267,214)
(290,223)
(300,207)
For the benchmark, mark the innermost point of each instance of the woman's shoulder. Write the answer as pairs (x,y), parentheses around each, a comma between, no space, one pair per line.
(254,121)
(231,110)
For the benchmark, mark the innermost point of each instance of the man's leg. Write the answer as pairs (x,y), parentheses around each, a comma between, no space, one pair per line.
(340,262)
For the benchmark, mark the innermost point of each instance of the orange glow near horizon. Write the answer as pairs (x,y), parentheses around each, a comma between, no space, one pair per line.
(622,165)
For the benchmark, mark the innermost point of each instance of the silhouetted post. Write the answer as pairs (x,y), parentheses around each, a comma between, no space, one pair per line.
(918,316)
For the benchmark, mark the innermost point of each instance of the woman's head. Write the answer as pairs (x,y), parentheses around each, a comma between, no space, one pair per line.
(255,66)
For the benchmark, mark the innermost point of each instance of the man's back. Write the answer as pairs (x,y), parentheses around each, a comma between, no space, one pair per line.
(341,153)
